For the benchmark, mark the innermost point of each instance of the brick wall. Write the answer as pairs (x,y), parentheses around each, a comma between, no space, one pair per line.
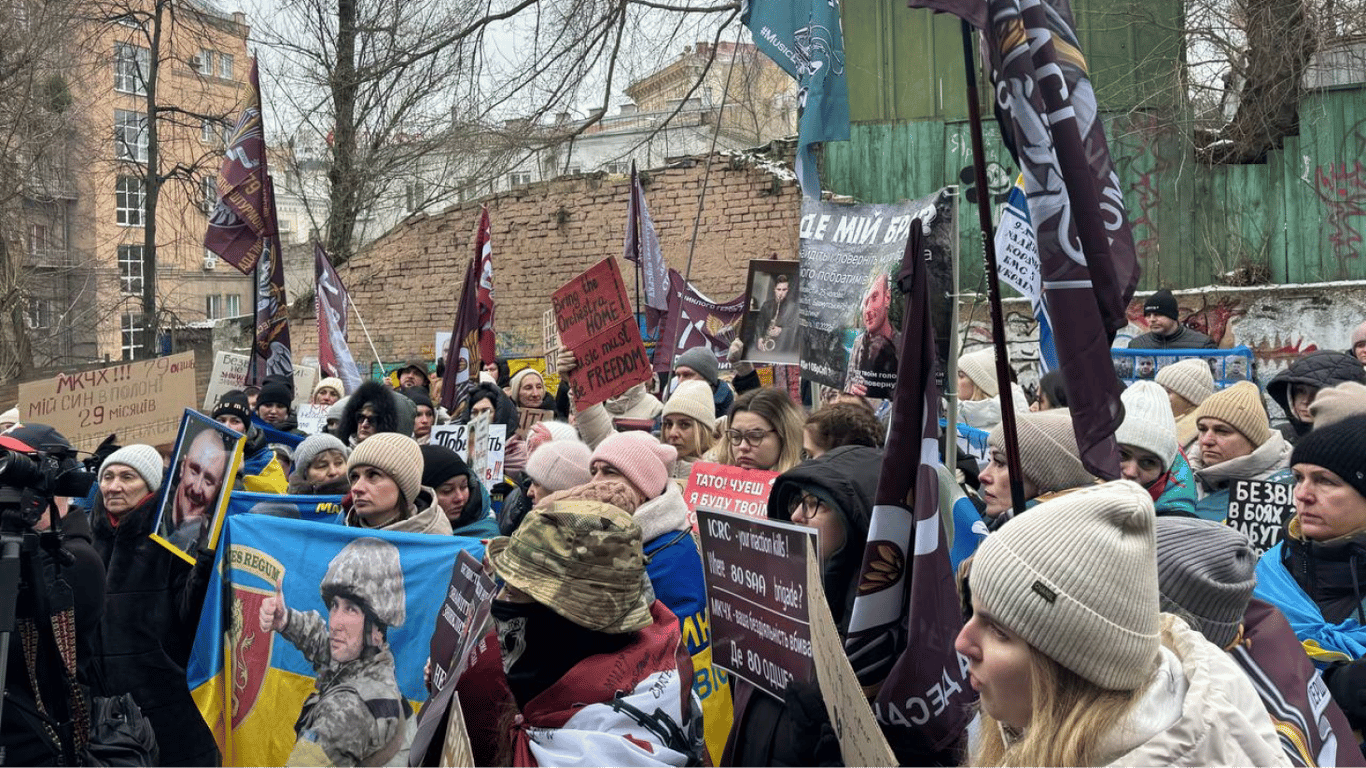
(407,283)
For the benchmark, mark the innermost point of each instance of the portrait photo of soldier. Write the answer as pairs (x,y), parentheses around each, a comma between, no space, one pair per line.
(772,324)
(873,358)
(199,475)
(356,714)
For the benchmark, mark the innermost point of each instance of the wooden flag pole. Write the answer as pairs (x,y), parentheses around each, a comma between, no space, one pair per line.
(998,329)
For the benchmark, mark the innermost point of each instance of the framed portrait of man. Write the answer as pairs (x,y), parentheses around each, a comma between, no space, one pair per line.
(772,326)
(203,467)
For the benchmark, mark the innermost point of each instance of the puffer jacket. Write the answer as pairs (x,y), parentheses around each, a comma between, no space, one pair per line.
(986,414)
(1324,368)
(152,604)
(1200,709)
(1174,492)
(1270,461)
(423,516)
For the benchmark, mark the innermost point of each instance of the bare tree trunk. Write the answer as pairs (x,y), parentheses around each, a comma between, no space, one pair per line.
(16,353)
(343,192)
(151,185)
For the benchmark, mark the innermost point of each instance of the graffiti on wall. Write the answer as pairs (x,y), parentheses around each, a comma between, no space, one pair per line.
(1342,187)
(1147,166)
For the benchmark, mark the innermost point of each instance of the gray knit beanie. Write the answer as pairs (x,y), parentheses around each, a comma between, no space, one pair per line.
(1206,572)
(397,456)
(1076,578)
(702,360)
(311,448)
(1049,457)
(144,460)
(1188,378)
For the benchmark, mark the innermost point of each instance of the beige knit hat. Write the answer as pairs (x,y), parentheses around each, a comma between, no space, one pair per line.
(1188,378)
(1333,404)
(980,366)
(1049,457)
(397,456)
(1076,578)
(1241,407)
(1148,421)
(693,399)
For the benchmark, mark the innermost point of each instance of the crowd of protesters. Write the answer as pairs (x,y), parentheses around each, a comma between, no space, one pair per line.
(1117,622)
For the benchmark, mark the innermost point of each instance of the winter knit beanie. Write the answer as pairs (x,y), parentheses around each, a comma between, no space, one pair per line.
(275,393)
(1161,303)
(1076,577)
(1358,335)
(560,465)
(516,384)
(1148,421)
(1333,404)
(1049,457)
(980,366)
(1339,448)
(397,456)
(548,431)
(1240,406)
(144,460)
(418,395)
(613,492)
(699,359)
(331,382)
(440,464)
(694,400)
(1205,571)
(1188,378)
(311,448)
(640,458)
(233,403)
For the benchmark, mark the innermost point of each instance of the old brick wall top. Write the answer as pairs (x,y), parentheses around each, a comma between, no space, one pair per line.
(406,284)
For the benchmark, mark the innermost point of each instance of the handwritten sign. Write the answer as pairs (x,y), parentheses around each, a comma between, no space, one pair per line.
(729,489)
(757,593)
(230,372)
(457,438)
(609,364)
(530,417)
(312,418)
(596,324)
(590,304)
(1260,509)
(141,402)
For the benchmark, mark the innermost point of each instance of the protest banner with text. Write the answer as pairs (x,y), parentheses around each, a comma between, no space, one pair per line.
(141,402)
(595,323)
(1260,509)
(230,372)
(729,489)
(490,458)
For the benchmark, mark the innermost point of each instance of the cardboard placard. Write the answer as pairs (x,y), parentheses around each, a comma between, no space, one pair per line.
(141,402)
(530,417)
(590,304)
(609,364)
(756,590)
(729,489)
(311,418)
(456,751)
(196,490)
(550,332)
(1260,509)
(230,372)
(860,736)
(456,438)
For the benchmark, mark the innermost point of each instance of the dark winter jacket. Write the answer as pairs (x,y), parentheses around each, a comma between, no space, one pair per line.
(152,605)
(1318,370)
(1184,338)
(504,410)
(393,412)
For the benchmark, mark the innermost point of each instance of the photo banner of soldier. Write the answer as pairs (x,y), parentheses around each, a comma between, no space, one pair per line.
(190,512)
(694,320)
(140,402)
(250,682)
(1227,366)
(241,220)
(728,489)
(772,326)
(318,509)
(592,312)
(850,311)
(333,308)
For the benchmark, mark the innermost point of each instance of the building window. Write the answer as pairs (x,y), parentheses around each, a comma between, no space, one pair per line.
(225,66)
(232,305)
(39,240)
(519,179)
(129,198)
(204,63)
(619,166)
(131,332)
(40,313)
(209,195)
(130,135)
(213,306)
(130,270)
(131,63)
(208,131)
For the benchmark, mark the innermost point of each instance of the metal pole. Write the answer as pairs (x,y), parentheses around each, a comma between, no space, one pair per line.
(366,331)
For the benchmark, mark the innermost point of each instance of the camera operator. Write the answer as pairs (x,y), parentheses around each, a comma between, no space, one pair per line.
(62,590)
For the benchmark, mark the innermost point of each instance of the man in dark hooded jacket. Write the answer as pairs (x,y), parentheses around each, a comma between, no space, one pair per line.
(1294,388)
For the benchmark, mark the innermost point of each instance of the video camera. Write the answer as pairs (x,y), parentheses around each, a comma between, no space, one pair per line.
(30,480)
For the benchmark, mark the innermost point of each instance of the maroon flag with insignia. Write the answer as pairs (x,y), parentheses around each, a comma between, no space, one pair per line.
(463,359)
(243,217)
(483,255)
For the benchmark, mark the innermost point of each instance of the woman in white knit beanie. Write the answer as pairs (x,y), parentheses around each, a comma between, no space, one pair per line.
(979,398)
(1074,663)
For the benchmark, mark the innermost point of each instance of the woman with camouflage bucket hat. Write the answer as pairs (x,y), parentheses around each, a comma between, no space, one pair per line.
(584,664)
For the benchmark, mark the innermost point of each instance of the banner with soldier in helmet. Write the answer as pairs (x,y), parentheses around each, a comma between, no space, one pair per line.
(313,637)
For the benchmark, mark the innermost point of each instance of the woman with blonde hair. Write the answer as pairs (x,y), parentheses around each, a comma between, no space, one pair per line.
(1074,663)
(765,432)
(688,424)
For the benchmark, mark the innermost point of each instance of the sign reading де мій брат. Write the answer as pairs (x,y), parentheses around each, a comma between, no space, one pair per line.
(1260,509)
(756,590)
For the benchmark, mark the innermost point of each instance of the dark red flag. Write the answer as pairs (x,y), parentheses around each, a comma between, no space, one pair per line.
(483,256)
(244,216)
(463,360)
(333,305)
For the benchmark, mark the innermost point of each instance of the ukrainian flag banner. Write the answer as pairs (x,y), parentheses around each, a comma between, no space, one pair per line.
(319,509)
(250,683)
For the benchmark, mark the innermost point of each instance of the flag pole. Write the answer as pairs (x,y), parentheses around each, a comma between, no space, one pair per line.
(950,393)
(998,337)
(366,331)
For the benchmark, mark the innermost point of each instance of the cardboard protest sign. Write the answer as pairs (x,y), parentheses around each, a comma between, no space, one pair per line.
(595,323)
(490,456)
(311,418)
(1227,366)
(230,372)
(756,590)
(460,624)
(590,304)
(1260,509)
(250,681)
(452,436)
(850,307)
(772,324)
(140,402)
(319,509)
(860,736)
(530,417)
(729,489)
(610,364)
(456,751)
(195,493)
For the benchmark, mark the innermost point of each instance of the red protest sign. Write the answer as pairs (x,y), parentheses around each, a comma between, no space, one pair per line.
(729,489)
(590,304)
(609,364)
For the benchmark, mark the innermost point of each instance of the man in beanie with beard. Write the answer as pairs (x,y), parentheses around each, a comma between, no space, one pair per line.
(1236,443)
(1165,330)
